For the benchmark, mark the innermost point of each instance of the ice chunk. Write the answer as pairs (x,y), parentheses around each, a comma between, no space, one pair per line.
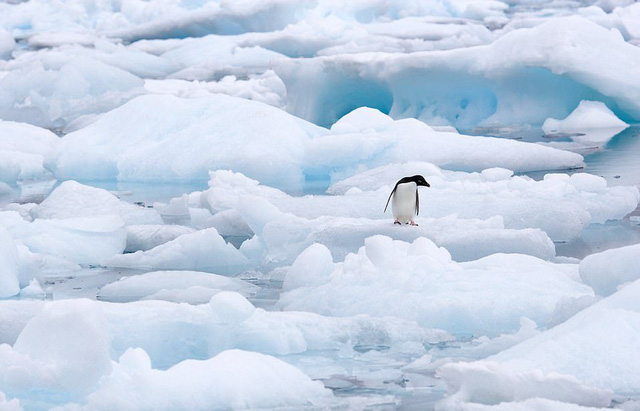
(524,77)
(212,56)
(266,88)
(52,96)
(36,265)
(361,120)
(419,281)
(409,140)
(160,283)
(147,236)
(232,379)
(7,44)
(63,349)
(9,405)
(214,129)
(588,115)
(230,308)
(611,269)
(9,284)
(312,267)
(203,250)
(83,240)
(72,199)
(25,138)
(176,212)
(489,383)
(592,121)
(576,347)
(33,290)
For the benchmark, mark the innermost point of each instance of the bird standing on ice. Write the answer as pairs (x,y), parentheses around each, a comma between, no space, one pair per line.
(406,203)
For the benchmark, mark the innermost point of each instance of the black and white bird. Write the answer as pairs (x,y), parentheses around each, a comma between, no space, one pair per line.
(406,202)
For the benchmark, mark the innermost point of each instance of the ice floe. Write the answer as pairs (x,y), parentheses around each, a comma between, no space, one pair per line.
(436,291)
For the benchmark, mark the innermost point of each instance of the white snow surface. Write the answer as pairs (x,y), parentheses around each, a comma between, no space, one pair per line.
(610,270)
(283,284)
(203,250)
(479,297)
(571,351)
(172,285)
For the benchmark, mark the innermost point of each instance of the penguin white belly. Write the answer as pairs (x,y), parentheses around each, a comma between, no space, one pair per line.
(404,202)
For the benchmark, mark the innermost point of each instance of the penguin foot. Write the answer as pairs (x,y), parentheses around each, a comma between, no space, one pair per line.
(413,223)
(397,222)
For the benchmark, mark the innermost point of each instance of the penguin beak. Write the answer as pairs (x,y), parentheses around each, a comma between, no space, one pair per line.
(426,184)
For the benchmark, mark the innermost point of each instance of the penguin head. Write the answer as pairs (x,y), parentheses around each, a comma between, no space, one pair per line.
(419,180)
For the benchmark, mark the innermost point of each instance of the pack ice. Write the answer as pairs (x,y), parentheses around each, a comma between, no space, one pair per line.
(192,196)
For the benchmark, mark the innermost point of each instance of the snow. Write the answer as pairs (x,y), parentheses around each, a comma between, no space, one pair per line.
(232,379)
(592,120)
(163,284)
(210,127)
(54,95)
(72,199)
(461,298)
(9,272)
(147,236)
(203,250)
(610,270)
(192,204)
(574,349)
(63,349)
(525,76)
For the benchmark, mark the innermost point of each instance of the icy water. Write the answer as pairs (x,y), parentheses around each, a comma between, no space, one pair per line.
(384,379)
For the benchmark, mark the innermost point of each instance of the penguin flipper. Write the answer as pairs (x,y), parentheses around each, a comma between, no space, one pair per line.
(417,203)
(389,199)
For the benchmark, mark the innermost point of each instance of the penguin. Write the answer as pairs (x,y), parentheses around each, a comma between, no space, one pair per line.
(406,203)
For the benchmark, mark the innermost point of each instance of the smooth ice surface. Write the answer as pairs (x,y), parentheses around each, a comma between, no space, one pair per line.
(523,77)
(72,199)
(179,286)
(595,348)
(419,281)
(203,250)
(82,240)
(233,379)
(611,270)
(26,151)
(9,268)
(147,236)
(119,145)
(590,123)
(381,141)
(283,280)
(63,349)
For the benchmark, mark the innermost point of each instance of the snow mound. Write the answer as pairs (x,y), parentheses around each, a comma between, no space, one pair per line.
(64,349)
(82,240)
(163,284)
(72,199)
(550,67)
(147,236)
(185,138)
(594,348)
(9,284)
(52,95)
(203,250)
(487,383)
(233,379)
(419,281)
(25,151)
(593,121)
(408,140)
(610,270)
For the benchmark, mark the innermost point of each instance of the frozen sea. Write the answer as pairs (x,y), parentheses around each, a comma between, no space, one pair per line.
(192,196)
